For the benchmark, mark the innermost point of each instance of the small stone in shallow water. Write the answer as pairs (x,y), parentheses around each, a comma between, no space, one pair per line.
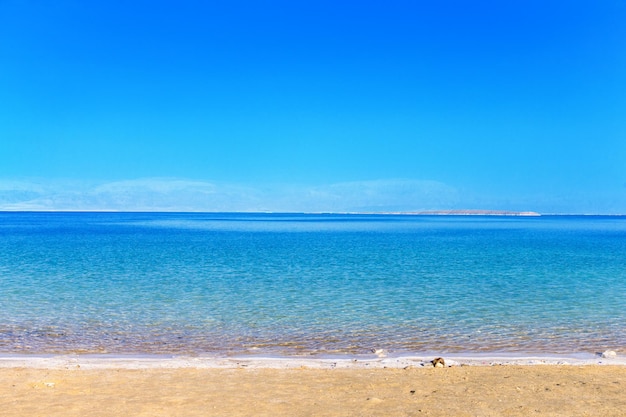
(381,353)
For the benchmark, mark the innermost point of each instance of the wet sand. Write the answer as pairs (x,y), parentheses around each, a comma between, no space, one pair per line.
(499,390)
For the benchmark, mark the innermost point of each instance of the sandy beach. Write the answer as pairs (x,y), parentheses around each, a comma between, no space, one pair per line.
(388,387)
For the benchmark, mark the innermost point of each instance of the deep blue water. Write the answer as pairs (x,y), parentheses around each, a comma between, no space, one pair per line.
(285,284)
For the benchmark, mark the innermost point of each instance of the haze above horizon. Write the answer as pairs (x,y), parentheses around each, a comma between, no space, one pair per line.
(313,106)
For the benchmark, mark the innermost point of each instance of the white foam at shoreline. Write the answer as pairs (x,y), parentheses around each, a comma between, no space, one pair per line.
(70,362)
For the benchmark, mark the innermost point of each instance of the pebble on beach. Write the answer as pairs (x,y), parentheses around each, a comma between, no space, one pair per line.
(438,363)
(609,354)
(381,353)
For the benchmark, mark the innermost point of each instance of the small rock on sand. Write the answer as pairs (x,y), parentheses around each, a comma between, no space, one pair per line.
(374,400)
(609,354)
(438,363)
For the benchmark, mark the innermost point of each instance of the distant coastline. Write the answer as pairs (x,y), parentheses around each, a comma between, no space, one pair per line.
(404,213)
(479,213)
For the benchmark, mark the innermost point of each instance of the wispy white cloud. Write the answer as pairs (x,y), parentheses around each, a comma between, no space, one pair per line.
(166,194)
(384,195)
(379,196)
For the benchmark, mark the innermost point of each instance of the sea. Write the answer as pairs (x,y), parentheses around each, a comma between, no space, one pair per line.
(314,285)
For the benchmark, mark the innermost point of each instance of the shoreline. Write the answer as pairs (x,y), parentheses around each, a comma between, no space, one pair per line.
(239,389)
(100,361)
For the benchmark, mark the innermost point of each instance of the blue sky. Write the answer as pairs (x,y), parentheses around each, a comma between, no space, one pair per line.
(313,105)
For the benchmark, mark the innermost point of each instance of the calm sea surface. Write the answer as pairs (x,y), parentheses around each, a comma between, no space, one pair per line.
(278,284)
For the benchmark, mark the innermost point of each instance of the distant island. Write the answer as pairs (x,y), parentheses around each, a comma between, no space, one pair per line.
(478,213)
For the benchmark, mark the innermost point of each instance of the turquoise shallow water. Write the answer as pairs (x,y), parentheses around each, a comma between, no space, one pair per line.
(272,284)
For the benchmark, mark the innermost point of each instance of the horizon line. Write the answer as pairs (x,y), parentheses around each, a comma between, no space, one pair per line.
(439,213)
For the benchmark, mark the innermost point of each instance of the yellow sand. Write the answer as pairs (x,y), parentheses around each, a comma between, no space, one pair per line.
(457,391)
